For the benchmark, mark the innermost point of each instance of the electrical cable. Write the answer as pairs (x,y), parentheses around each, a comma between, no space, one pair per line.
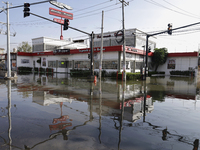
(160,5)
(180,8)
(93,6)
(96,10)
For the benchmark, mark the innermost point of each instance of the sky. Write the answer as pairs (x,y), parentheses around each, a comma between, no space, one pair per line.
(149,16)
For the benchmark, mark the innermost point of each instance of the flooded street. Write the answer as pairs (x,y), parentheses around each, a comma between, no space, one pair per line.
(59,112)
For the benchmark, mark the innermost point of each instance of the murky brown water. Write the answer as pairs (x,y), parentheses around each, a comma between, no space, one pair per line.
(59,113)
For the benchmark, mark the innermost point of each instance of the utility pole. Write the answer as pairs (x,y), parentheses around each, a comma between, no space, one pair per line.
(124,40)
(101,52)
(8,41)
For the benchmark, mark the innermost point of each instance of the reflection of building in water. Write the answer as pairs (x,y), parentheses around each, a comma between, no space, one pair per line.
(176,87)
(133,109)
(45,98)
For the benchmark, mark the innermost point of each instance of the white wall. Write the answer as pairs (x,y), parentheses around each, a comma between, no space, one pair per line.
(182,63)
(21,59)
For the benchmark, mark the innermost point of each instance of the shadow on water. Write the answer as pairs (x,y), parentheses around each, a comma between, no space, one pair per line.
(98,111)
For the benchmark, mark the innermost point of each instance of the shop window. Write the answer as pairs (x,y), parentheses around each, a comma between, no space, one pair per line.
(109,65)
(127,65)
(52,64)
(96,65)
(70,64)
(82,64)
(138,65)
(62,64)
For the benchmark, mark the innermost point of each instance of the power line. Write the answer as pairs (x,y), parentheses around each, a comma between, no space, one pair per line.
(160,5)
(93,6)
(101,9)
(98,13)
(96,9)
(180,8)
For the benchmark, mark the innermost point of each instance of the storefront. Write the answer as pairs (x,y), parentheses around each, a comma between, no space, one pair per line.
(62,60)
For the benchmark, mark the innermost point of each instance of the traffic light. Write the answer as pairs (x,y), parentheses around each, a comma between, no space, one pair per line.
(66,23)
(26,9)
(169,31)
(149,49)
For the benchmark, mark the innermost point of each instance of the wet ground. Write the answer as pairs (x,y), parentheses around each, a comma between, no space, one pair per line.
(61,113)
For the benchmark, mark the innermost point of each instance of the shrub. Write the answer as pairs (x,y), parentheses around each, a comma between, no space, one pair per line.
(42,69)
(24,69)
(79,73)
(150,73)
(185,73)
(49,70)
(130,76)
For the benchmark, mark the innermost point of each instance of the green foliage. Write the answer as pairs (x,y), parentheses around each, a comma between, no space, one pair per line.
(79,73)
(183,73)
(159,57)
(130,76)
(24,69)
(49,70)
(108,74)
(150,73)
(24,47)
(42,69)
(35,69)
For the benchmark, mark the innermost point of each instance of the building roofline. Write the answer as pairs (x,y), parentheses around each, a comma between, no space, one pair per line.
(180,54)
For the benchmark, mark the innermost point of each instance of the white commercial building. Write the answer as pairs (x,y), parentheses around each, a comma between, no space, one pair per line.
(64,55)
(180,62)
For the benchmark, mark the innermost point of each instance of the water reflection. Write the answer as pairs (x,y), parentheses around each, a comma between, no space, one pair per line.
(106,110)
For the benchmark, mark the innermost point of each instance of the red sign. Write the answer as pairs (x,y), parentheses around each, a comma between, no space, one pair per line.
(60,13)
(60,126)
(62,118)
(58,20)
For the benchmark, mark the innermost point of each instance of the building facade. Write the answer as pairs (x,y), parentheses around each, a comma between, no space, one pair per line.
(180,62)
(64,55)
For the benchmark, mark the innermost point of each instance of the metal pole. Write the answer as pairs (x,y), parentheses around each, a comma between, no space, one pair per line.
(146,60)
(91,55)
(124,44)
(8,43)
(101,53)
(61,36)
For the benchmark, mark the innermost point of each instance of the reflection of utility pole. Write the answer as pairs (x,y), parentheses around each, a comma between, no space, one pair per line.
(91,98)
(100,109)
(124,40)
(9,113)
(122,114)
(145,96)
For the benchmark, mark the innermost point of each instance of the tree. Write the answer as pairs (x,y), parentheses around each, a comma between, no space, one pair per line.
(24,47)
(159,57)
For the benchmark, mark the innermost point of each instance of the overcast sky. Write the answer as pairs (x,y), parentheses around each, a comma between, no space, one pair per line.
(145,15)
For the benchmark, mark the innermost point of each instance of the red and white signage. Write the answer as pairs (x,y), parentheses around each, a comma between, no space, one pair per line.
(60,13)
(58,20)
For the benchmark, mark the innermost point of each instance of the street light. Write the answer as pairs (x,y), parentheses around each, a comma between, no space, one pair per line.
(60,5)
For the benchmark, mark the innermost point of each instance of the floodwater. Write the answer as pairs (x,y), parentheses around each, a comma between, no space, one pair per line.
(63,113)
